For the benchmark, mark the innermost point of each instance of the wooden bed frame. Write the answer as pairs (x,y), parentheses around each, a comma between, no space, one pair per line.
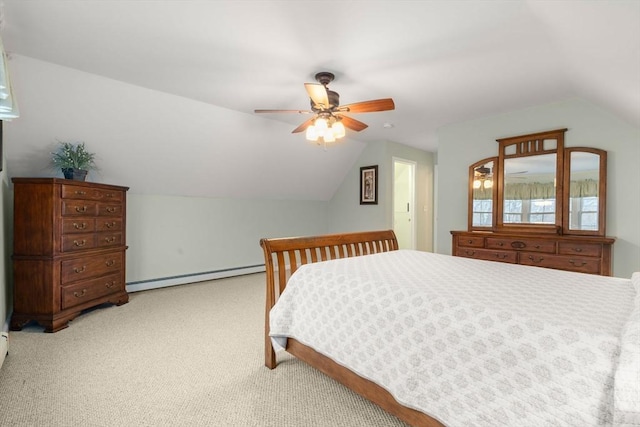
(282,258)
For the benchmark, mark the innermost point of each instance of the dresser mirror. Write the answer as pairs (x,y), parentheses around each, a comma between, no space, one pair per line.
(537,185)
(585,189)
(482,193)
(529,192)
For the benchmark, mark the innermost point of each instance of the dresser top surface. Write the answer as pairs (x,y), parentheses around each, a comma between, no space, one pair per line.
(63,181)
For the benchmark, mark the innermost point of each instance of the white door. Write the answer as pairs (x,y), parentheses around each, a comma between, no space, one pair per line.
(403,202)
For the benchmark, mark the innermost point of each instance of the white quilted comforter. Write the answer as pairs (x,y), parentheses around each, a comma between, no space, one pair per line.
(474,343)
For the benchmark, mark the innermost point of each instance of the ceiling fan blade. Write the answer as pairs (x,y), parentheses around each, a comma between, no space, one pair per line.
(304,126)
(318,94)
(284,111)
(353,124)
(369,106)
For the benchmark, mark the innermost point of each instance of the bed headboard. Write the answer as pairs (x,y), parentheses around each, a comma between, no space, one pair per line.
(285,255)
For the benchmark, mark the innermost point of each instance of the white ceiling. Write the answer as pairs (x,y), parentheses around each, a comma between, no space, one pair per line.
(441,61)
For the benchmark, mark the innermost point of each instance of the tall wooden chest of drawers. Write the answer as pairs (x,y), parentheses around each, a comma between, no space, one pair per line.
(69,246)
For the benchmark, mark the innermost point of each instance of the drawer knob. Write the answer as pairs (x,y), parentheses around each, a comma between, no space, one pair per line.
(111,209)
(532,258)
(109,195)
(577,249)
(80,294)
(110,239)
(575,263)
(470,253)
(81,209)
(79,226)
(80,193)
(501,256)
(500,244)
(110,224)
(110,263)
(110,284)
(470,241)
(80,270)
(80,243)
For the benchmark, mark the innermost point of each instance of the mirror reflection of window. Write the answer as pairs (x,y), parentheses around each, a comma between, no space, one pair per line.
(584,191)
(529,192)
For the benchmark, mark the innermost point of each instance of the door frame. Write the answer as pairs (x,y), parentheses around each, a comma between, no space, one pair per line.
(412,192)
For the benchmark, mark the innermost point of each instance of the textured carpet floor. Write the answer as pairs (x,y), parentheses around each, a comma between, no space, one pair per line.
(188,355)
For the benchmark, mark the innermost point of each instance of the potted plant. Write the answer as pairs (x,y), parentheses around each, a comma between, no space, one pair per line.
(74,160)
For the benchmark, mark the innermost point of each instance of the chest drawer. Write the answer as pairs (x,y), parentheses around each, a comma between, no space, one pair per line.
(109,209)
(489,255)
(109,224)
(108,239)
(471,241)
(70,191)
(78,225)
(87,290)
(581,249)
(578,264)
(521,244)
(78,242)
(79,207)
(92,266)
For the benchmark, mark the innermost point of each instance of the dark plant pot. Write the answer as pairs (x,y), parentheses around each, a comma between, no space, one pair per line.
(76,174)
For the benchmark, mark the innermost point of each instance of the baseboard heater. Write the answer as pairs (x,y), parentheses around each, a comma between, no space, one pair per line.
(184,279)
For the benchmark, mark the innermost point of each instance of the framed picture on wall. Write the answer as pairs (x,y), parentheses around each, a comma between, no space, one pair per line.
(369,185)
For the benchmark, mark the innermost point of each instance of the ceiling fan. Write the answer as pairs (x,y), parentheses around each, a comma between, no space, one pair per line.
(329,119)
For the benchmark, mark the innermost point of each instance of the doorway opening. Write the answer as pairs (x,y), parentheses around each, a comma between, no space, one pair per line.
(404,172)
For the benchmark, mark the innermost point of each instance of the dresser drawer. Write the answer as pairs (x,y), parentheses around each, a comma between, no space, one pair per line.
(489,255)
(109,224)
(78,242)
(471,241)
(70,191)
(87,267)
(521,244)
(582,249)
(108,239)
(84,291)
(110,209)
(79,207)
(78,225)
(578,264)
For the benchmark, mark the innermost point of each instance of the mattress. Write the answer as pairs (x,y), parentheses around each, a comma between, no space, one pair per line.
(471,342)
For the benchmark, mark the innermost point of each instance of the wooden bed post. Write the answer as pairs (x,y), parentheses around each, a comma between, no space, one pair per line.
(269,353)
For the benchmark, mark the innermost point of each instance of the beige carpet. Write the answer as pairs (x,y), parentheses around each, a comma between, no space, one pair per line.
(189,355)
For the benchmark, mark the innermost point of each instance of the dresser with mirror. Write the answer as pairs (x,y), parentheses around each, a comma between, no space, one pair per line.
(538,203)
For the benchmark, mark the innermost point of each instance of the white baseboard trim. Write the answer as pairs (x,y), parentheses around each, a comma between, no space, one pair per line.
(145,285)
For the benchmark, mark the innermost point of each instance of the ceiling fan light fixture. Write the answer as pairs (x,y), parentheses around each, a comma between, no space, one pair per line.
(312,133)
(328,135)
(338,130)
(321,125)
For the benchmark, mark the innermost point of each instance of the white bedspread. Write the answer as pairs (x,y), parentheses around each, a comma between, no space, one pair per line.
(469,342)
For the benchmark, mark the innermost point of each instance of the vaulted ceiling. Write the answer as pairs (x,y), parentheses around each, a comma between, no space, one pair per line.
(441,61)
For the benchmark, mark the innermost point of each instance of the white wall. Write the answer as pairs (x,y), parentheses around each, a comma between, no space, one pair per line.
(172,236)
(346,213)
(462,144)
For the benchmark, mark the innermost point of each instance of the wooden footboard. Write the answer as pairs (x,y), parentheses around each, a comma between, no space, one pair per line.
(282,258)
